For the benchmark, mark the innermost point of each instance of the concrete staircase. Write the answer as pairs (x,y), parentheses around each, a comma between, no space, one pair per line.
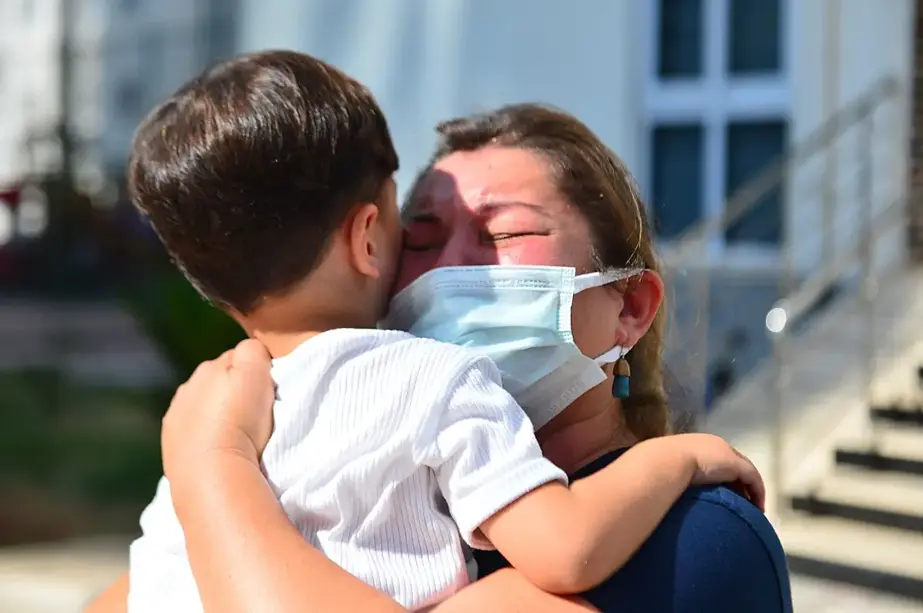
(862,523)
(852,460)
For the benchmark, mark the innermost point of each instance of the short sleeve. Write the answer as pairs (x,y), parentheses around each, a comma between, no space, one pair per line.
(483,450)
(159,572)
(158,520)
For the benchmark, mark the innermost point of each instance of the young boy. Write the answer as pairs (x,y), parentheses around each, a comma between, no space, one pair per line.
(269,181)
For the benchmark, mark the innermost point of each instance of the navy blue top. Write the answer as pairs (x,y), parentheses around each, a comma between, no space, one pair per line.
(714,551)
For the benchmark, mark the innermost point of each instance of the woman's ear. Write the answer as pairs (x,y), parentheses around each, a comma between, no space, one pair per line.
(641,300)
(362,240)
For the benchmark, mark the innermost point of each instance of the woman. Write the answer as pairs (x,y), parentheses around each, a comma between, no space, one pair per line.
(522,185)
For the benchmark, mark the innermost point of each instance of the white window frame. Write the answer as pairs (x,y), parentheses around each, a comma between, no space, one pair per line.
(713,100)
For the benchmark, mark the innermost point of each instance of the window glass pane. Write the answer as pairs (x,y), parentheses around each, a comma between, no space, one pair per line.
(129,98)
(153,48)
(680,39)
(751,147)
(677,169)
(218,30)
(222,37)
(755,37)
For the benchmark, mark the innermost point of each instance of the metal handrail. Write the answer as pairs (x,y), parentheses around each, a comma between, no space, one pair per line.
(748,197)
(835,262)
(795,306)
(791,309)
(688,245)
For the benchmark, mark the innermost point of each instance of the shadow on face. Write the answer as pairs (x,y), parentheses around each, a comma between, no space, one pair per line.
(441,230)
(499,205)
(495,205)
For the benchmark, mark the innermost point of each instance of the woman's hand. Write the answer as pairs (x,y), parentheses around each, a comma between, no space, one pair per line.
(224,409)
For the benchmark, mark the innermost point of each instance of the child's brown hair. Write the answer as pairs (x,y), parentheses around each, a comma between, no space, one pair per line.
(247,170)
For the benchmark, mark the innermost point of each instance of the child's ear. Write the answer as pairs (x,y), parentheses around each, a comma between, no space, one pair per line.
(363,236)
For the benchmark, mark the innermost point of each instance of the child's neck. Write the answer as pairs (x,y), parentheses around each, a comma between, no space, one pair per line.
(282,335)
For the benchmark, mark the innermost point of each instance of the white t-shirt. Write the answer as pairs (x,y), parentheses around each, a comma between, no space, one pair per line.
(376,432)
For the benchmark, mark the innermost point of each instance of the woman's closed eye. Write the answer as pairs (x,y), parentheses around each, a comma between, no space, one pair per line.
(409,246)
(501,237)
(424,240)
(424,233)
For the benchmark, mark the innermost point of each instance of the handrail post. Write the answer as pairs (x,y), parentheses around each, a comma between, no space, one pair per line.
(865,198)
(779,329)
(830,93)
(703,299)
(777,326)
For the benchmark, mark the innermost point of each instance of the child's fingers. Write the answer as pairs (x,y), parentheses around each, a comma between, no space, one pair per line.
(753,481)
(741,488)
(251,353)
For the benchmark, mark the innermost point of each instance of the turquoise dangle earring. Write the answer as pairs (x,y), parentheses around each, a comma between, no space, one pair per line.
(621,378)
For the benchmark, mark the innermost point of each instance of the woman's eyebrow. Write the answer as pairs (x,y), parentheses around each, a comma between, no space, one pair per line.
(415,205)
(411,207)
(493,207)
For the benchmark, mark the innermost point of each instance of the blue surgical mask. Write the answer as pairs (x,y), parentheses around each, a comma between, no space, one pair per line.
(520,317)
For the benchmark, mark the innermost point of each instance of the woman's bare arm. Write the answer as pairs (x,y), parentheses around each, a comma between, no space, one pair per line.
(507,591)
(246,556)
(113,600)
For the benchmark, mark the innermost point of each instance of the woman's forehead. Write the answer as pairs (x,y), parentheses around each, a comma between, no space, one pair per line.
(473,179)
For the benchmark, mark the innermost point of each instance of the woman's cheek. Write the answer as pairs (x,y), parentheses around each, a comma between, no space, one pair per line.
(412,265)
(595,321)
(534,251)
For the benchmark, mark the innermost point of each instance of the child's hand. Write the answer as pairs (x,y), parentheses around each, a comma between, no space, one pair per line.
(717,462)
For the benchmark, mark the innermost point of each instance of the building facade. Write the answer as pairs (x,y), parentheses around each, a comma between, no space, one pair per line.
(150,48)
(697,96)
(49,73)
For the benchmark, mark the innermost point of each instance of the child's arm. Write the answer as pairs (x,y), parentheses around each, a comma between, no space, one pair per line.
(569,540)
(498,485)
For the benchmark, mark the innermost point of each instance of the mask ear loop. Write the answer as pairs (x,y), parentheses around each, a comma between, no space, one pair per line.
(597,279)
(622,377)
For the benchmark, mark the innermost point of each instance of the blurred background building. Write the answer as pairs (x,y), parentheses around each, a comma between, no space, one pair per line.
(150,49)
(775,143)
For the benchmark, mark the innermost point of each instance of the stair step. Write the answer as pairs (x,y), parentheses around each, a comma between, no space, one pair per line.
(890,499)
(911,415)
(874,557)
(878,461)
(894,448)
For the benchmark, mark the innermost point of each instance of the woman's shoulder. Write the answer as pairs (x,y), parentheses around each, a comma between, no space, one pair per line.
(721,526)
(733,513)
(714,551)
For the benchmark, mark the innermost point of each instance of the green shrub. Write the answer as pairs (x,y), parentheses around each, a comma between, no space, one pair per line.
(186,328)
